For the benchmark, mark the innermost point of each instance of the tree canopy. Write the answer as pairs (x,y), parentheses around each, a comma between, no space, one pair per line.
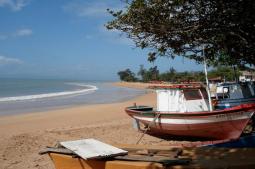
(127,75)
(172,28)
(148,75)
(153,74)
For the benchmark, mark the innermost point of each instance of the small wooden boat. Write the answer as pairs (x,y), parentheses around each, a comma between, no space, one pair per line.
(183,110)
(135,157)
(150,157)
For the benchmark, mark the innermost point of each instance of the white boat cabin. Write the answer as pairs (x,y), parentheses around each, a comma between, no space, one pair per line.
(235,90)
(181,98)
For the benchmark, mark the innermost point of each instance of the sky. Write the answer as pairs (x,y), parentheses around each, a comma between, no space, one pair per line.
(67,39)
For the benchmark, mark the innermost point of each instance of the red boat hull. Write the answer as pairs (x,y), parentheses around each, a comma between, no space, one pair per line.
(223,124)
(221,130)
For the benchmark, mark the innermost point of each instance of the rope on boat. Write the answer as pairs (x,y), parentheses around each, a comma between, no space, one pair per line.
(148,127)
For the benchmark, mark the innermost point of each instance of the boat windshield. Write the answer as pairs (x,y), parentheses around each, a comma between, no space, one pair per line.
(204,93)
(192,94)
(246,91)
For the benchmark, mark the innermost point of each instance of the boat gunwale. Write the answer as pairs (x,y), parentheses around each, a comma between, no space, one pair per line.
(227,111)
(236,100)
(177,86)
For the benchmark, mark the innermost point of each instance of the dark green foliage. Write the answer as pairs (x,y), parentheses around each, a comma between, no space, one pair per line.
(153,74)
(142,73)
(182,27)
(148,75)
(177,77)
(127,75)
(226,73)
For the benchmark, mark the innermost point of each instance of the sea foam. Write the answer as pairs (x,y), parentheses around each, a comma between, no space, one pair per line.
(89,88)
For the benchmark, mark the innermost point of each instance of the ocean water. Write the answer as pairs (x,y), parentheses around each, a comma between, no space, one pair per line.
(36,95)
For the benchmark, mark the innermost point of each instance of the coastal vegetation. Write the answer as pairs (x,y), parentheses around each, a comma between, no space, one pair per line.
(127,75)
(153,74)
(224,30)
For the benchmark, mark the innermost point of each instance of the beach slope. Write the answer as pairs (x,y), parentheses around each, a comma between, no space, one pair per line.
(23,136)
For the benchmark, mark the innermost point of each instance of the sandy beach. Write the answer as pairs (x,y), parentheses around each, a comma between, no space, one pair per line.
(23,136)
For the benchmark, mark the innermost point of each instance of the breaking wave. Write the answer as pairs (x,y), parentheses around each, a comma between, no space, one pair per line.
(89,88)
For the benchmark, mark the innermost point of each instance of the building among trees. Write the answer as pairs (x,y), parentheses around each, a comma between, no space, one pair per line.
(247,76)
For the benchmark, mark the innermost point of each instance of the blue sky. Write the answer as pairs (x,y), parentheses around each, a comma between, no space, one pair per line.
(67,39)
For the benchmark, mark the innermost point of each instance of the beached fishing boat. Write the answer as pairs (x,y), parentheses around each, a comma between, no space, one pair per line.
(93,154)
(232,94)
(184,110)
(157,157)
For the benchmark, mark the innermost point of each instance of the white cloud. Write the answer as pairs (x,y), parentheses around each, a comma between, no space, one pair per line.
(7,60)
(14,5)
(18,33)
(89,9)
(23,32)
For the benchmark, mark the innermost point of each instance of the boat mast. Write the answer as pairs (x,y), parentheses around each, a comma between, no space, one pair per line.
(236,78)
(207,81)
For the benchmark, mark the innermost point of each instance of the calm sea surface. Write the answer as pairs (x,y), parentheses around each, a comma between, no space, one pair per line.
(30,95)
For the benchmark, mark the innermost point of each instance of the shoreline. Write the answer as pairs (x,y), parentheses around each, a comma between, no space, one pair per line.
(65,112)
(24,135)
(56,103)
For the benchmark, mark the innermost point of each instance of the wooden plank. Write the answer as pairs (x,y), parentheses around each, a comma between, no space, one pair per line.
(91,148)
(145,152)
(56,150)
(156,153)
(166,161)
(146,147)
